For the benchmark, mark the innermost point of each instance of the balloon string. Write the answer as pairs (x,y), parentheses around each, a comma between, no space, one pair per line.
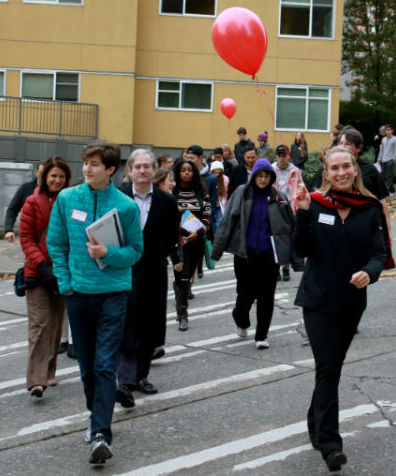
(263,94)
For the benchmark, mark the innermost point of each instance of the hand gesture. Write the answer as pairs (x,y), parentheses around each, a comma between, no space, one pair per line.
(360,279)
(97,249)
(192,236)
(302,197)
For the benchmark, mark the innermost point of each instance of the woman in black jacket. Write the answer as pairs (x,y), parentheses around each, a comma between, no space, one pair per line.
(339,230)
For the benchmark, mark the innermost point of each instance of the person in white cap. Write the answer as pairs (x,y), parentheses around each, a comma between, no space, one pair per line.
(217,169)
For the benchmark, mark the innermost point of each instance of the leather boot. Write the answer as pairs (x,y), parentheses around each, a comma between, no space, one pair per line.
(182,289)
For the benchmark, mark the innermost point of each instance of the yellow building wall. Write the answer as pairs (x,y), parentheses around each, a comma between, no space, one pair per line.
(98,37)
(181,48)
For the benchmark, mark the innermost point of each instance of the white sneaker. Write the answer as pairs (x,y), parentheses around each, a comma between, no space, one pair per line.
(241,332)
(100,450)
(262,344)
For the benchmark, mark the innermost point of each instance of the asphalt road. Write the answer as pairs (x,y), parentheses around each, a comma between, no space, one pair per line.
(223,407)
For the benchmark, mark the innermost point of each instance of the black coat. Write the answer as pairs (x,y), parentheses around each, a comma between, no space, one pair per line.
(335,250)
(16,204)
(160,236)
(239,177)
(240,147)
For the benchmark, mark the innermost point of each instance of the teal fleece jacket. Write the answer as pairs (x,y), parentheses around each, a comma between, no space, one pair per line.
(74,210)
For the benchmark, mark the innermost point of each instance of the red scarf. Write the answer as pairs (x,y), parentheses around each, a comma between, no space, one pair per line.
(337,199)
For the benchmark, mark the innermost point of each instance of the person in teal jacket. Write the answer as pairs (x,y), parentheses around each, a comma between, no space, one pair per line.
(96,298)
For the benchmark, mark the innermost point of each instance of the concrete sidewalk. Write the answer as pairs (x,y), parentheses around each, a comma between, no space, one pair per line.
(11,258)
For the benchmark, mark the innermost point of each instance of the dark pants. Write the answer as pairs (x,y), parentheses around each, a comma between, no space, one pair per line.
(97,323)
(330,335)
(192,254)
(256,280)
(388,169)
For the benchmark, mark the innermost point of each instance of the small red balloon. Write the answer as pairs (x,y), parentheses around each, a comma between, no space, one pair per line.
(240,38)
(228,107)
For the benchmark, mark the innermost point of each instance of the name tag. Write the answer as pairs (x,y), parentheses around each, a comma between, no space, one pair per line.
(79,215)
(326,219)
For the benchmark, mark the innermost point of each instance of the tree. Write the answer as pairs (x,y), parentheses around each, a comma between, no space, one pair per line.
(369,50)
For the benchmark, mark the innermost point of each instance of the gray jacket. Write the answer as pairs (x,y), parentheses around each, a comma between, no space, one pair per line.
(231,235)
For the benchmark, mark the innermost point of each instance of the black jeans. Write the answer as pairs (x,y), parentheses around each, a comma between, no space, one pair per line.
(192,254)
(256,280)
(330,335)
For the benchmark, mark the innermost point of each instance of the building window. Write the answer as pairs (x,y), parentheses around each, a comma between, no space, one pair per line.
(187,95)
(57,2)
(58,86)
(308,18)
(302,108)
(188,7)
(2,83)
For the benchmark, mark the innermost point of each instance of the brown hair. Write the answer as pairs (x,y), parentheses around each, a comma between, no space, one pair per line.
(303,145)
(357,183)
(226,147)
(161,175)
(110,154)
(50,164)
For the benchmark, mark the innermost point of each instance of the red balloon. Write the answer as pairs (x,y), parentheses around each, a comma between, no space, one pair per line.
(228,107)
(240,38)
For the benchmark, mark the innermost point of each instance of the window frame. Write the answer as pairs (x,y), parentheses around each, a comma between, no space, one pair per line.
(305,37)
(2,70)
(54,84)
(54,2)
(181,82)
(307,97)
(183,14)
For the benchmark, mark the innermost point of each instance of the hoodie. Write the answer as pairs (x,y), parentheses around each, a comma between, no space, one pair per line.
(258,233)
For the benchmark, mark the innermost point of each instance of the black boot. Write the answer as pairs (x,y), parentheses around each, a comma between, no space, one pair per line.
(182,289)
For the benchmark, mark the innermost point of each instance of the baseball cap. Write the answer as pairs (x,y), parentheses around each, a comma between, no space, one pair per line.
(195,149)
(281,149)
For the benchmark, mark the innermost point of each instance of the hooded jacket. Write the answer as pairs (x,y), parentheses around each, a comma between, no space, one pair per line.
(231,235)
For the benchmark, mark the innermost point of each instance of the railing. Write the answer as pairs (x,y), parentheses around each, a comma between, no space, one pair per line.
(43,116)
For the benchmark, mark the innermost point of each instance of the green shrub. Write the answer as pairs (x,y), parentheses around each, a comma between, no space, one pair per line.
(311,166)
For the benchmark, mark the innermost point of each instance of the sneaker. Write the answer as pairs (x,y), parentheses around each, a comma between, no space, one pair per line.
(241,332)
(87,436)
(262,344)
(100,450)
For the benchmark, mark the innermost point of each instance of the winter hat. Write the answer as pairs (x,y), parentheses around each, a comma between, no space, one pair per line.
(263,136)
(216,165)
(263,165)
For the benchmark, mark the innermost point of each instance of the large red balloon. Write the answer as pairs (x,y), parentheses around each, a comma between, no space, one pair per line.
(240,38)
(228,107)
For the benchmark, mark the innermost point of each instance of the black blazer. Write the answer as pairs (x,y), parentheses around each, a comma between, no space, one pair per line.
(150,279)
(239,176)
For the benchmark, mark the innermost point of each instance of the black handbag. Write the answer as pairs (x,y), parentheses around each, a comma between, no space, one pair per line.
(19,282)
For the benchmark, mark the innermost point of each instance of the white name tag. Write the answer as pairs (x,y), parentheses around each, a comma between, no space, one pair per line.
(79,215)
(326,219)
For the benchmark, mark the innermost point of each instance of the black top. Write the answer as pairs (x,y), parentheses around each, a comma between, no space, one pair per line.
(239,177)
(240,147)
(335,250)
(17,202)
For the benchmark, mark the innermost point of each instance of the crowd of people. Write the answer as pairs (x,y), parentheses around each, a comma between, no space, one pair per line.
(251,202)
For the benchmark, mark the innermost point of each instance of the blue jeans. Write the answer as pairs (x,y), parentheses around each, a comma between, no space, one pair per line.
(97,324)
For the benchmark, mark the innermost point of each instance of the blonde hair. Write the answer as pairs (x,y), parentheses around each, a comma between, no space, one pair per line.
(357,183)
(227,148)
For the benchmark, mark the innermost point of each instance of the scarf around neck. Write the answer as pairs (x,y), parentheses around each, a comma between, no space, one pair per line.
(337,199)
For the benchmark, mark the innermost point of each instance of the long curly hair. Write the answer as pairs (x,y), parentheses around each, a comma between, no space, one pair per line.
(196,184)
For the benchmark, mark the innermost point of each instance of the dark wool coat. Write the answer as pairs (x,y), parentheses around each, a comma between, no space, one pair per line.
(160,236)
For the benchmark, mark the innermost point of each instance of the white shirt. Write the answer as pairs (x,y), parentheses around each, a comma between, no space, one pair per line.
(144,204)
